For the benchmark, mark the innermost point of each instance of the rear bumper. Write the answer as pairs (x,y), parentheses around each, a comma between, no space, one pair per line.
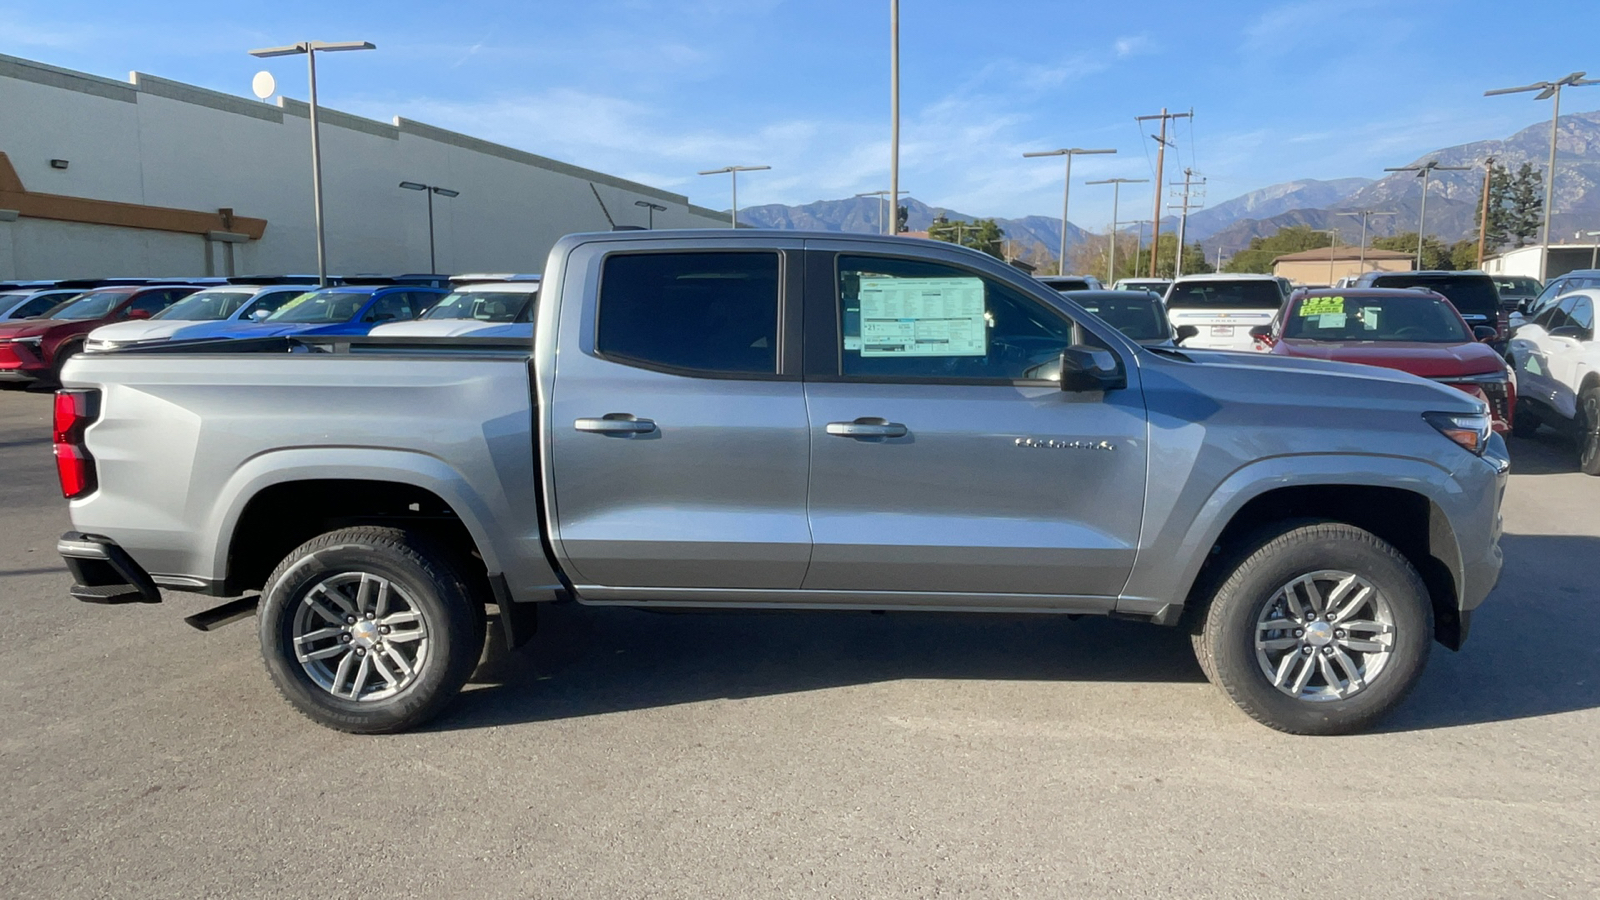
(103,572)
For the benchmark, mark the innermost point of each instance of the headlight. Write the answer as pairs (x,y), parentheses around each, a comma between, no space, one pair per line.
(1470,430)
(93,346)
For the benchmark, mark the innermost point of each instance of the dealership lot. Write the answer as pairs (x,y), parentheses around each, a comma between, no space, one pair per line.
(628,754)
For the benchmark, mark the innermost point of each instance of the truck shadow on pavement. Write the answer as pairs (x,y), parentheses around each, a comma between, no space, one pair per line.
(1547,453)
(1534,650)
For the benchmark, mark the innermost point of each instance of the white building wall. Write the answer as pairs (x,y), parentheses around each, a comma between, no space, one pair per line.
(163,143)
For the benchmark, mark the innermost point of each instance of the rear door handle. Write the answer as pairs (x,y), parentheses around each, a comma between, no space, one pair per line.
(616,423)
(867,427)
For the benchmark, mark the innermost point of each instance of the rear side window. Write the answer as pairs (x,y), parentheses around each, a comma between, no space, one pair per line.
(1252,294)
(714,313)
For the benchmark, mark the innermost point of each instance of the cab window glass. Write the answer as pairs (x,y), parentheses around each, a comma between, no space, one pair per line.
(691,312)
(391,307)
(914,319)
(1582,315)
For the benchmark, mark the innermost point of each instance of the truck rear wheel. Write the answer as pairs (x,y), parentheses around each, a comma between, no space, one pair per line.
(369,630)
(1321,629)
(1589,430)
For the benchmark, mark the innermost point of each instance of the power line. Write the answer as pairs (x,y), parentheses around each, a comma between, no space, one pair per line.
(1161,159)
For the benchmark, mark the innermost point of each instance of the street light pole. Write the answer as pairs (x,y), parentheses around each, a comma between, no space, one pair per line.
(1333,242)
(1549,90)
(883,209)
(894,113)
(430,190)
(1424,171)
(1116,199)
(651,210)
(1365,214)
(733,219)
(1594,249)
(311,49)
(1066,193)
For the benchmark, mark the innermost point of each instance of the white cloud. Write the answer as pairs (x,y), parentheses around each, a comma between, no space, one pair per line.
(1133,45)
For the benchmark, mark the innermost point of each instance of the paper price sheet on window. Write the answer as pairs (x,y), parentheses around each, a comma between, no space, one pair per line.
(923,317)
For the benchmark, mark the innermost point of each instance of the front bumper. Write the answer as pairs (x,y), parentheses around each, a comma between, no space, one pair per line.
(103,572)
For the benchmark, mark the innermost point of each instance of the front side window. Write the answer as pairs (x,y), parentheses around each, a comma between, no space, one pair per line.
(1582,316)
(691,312)
(93,305)
(269,301)
(390,308)
(153,303)
(904,318)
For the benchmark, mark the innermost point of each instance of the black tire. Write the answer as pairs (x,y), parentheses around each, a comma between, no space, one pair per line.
(1525,420)
(1225,641)
(1589,430)
(63,354)
(426,577)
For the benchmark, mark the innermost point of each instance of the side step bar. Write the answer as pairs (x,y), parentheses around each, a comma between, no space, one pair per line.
(226,614)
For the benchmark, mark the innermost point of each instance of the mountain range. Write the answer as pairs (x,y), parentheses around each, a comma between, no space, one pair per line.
(1453,199)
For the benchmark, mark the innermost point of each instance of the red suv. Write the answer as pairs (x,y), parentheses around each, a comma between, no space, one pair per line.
(34,349)
(1415,331)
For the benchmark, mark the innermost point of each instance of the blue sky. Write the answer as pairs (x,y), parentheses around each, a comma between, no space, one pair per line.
(658,90)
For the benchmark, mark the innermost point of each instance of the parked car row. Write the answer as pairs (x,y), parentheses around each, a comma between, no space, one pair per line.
(43,324)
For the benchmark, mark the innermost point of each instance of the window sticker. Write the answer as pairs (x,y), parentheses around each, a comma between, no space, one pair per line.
(1332,320)
(923,317)
(1321,306)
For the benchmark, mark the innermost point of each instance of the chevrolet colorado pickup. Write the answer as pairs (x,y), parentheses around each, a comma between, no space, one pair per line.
(754,419)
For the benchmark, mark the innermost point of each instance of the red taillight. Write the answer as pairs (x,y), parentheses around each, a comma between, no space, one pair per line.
(74,411)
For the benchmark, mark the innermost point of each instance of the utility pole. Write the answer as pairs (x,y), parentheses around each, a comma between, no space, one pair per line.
(1483,214)
(1333,243)
(1116,198)
(1424,171)
(1066,194)
(1365,214)
(1138,240)
(1183,216)
(894,115)
(1547,90)
(1161,160)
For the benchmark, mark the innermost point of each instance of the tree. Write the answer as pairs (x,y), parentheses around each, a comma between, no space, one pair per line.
(1194,259)
(981,234)
(1435,255)
(1527,205)
(901,215)
(1262,251)
(1464,254)
(1498,233)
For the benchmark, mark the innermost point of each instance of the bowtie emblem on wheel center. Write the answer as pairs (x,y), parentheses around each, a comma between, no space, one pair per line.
(364,633)
(1319,634)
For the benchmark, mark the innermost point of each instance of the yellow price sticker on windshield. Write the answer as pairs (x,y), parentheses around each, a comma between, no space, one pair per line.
(1321,306)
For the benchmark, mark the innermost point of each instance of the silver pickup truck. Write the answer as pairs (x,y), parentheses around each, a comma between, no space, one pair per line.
(750,419)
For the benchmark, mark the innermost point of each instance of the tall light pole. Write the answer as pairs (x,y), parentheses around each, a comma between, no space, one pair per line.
(894,113)
(1138,240)
(1333,242)
(1549,90)
(650,216)
(430,190)
(311,49)
(1424,171)
(1066,193)
(1594,249)
(1116,198)
(1365,214)
(733,171)
(883,209)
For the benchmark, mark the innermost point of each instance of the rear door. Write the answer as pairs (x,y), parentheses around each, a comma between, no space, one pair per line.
(676,424)
(945,466)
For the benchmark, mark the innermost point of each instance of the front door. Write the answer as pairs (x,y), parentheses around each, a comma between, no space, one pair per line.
(677,425)
(944,459)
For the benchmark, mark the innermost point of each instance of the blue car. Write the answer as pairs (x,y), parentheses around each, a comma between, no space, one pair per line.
(333,311)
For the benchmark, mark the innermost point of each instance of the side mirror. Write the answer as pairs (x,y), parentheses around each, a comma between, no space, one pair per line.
(138,314)
(1086,368)
(1185,332)
(259,315)
(1261,331)
(1484,333)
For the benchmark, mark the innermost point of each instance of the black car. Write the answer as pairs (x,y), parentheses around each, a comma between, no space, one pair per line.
(1141,315)
(1516,291)
(1473,294)
(1065,283)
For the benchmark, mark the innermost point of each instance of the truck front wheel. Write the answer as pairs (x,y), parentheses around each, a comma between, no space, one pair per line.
(1320,629)
(369,630)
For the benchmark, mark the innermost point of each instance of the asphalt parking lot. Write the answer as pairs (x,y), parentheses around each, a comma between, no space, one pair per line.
(626,754)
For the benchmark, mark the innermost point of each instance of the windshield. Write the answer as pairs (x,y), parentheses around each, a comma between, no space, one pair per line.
(1252,294)
(206,306)
(483,306)
(1517,287)
(1067,284)
(321,306)
(93,305)
(1473,295)
(1422,319)
(1138,317)
(11,299)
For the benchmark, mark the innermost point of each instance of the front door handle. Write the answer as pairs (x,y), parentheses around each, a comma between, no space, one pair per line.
(616,423)
(867,427)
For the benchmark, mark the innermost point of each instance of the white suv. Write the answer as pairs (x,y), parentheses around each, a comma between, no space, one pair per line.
(1223,308)
(1558,373)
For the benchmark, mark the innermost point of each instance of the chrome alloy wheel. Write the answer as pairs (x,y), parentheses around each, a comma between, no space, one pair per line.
(359,636)
(1325,636)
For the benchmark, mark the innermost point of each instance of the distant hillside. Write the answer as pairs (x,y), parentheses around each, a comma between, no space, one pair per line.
(1270,201)
(861,215)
